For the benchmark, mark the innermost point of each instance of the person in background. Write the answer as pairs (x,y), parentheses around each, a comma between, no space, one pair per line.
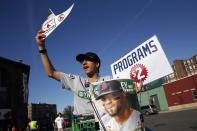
(33,125)
(59,122)
(13,128)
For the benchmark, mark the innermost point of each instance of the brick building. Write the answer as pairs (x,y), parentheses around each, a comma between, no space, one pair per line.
(43,113)
(14,78)
(182,68)
(181,86)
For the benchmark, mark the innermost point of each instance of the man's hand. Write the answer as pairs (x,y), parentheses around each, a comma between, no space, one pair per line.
(40,38)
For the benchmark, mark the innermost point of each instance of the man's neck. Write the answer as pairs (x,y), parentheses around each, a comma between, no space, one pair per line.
(122,117)
(93,78)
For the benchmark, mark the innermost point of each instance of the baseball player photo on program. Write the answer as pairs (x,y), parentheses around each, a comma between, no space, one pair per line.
(119,115)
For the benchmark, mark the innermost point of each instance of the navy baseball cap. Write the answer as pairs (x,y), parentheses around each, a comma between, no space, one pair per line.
(108,87)
(89,55)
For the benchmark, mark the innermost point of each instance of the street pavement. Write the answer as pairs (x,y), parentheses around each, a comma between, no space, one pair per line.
(183,120)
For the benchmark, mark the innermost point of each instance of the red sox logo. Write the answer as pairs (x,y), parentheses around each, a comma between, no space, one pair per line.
(104,86)
(61,17)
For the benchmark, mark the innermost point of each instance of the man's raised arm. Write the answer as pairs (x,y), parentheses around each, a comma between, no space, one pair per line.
(49,69)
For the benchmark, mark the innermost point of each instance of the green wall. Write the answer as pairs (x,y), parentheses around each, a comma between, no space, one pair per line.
(144,97)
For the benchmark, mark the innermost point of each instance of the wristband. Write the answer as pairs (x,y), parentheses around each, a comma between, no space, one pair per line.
(43,51)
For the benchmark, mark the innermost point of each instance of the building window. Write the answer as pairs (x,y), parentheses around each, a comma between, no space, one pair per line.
(3,87)
(191,60)
(171,76)
(187,69)
(188,61)
(173,67)
(194,95)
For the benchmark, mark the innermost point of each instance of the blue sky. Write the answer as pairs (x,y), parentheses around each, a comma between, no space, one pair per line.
(111,28)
